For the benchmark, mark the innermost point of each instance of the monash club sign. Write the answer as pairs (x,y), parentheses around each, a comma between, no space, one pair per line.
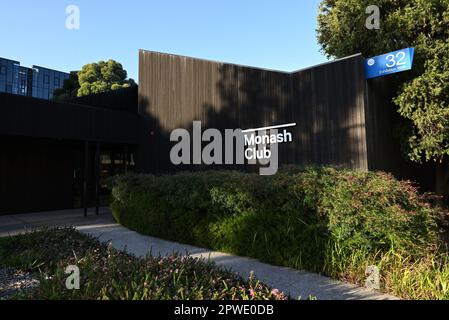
(254,145)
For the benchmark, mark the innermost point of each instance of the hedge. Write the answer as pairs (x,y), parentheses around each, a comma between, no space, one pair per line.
(326,220)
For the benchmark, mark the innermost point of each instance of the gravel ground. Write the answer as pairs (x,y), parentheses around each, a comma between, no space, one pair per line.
(13,281)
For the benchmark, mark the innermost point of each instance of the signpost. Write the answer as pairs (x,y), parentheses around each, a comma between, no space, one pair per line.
(393,62)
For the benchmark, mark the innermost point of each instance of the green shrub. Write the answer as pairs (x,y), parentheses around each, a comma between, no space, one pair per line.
(322,219)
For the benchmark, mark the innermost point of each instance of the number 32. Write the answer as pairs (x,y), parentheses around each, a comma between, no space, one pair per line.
(396,60)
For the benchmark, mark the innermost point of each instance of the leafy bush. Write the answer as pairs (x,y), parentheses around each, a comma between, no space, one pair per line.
(110,274)
(322,219)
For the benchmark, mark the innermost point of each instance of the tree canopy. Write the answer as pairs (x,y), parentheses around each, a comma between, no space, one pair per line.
(423,95)
(94,78)
(102,76)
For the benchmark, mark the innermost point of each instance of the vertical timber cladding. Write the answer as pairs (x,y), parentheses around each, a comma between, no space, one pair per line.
(383,137)
(326,102)
(329,107)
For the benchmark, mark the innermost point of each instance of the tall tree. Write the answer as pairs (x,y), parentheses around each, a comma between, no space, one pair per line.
(102,76)
(423,94)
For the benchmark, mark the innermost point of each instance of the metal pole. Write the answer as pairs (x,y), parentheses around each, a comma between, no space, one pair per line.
(126,159)
(86,169)
(97,179)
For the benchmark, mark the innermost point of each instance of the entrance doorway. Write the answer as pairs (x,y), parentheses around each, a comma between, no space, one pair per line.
(93,173)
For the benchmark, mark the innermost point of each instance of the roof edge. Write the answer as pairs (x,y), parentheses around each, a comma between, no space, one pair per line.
(247,66)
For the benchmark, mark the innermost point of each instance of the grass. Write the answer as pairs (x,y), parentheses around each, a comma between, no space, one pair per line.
(402,275)
(108,274)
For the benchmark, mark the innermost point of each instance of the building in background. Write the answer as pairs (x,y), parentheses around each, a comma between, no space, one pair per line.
(36,82)
(45,81)
(9,76)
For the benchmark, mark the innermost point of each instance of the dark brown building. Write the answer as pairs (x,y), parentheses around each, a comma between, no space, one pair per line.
(342,119)
(55,155)
(59,155)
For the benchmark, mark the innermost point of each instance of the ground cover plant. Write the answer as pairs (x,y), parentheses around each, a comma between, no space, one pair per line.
(331,221)
(106,273)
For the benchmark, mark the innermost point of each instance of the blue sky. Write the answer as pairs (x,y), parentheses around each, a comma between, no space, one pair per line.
(275,34)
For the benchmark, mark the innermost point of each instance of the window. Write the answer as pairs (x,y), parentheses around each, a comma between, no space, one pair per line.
(46,79)
(2,70)
(57,82)
(8,88)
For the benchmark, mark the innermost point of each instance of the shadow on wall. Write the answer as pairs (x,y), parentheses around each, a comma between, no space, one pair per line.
(250,98)
(386,151)
(326,102)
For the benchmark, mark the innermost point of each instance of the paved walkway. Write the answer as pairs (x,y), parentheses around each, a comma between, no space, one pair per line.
(293,282)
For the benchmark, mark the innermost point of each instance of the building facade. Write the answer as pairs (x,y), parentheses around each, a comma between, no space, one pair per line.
(37,82)
(343,119)
(58,155)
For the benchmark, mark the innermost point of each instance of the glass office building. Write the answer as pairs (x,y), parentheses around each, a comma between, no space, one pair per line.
(9,76)
(37,82)
(24,81)
(45,81)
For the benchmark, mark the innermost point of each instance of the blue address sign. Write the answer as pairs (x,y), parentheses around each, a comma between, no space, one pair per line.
(393,62)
